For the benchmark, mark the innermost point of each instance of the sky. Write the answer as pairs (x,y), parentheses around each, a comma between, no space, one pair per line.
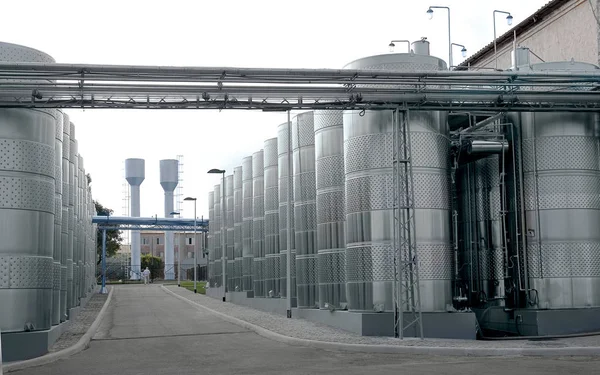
(235,33)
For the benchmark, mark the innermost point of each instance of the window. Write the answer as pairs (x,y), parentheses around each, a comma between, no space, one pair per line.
(190,241)
(158,240)
(144,241)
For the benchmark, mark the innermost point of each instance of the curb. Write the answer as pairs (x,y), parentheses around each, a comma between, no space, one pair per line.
(398,349)
(81,345)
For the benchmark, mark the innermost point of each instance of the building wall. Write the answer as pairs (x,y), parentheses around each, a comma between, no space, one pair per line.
(570,32)
(149,245)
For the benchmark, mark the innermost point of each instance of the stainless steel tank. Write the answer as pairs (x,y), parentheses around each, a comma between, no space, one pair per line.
(27,205)
(57,249)
(272,256)
(283,170)
(229,239)
(331,210)
(237,229)
(368,151)
(72,276)
(560,161)
(65,215)
(258,223)
(247,243)
(210,241)
(305,209)
(481,253)
(217,240)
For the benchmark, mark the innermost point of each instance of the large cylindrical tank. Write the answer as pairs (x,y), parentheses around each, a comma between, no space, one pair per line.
(368,153)
(57,250)
(210,242)
(27,204)
(272,256)
(247,243)
(229,239)
(284,150)
(258,223)
(237,229)
(560,161)
(135,173)
(217,239)
(305,209)
(331,209)
(66,187)
(481,254)
(169,178)
(73,161)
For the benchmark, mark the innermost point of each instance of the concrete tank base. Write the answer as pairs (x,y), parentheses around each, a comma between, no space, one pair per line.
(19,346)
(530,322)
(271,305)
(435,324)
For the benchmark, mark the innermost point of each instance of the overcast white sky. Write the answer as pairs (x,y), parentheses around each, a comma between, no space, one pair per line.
(234,33)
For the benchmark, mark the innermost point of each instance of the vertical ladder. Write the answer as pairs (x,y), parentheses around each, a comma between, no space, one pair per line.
(407,295)
(125,191)
(179,188)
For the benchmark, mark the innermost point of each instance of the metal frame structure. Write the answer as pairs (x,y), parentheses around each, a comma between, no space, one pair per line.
(142,223)
(35,85)
(407,294)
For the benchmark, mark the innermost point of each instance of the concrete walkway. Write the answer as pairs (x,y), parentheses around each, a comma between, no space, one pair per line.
(147,330)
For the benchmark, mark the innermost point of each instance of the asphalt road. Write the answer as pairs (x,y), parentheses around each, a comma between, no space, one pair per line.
(147,331)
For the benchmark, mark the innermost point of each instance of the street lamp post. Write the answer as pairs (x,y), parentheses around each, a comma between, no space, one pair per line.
(392,44)
(463,50)
(430,14)
(178,253)
(509,19)
(223,231)
(195,246)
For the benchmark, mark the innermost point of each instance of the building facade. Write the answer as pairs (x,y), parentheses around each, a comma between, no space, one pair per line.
(559,31)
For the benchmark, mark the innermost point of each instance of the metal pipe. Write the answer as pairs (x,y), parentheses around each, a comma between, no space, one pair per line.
(195,250)
(520,233)
(126,220)
(486,147)
(103,290)
(288,280)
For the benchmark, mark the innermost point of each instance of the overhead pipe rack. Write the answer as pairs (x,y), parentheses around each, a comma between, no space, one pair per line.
(33,85)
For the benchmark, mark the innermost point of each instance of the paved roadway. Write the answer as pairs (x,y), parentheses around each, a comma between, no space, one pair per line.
(147,331)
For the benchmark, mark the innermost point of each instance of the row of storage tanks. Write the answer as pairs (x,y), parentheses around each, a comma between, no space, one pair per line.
(47,252)
(525,222)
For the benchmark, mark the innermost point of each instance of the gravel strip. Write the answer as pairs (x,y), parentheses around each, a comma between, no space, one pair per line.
(305,329)
(81,324)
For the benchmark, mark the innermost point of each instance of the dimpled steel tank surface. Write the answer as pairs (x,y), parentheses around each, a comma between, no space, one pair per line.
(218,245)
(331,210)
(283,170)
(230,275)
(562,203)
(272,256)
(237,229)
(368,150)
(258,223)
(27,226)
(305,207)
(247,257)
